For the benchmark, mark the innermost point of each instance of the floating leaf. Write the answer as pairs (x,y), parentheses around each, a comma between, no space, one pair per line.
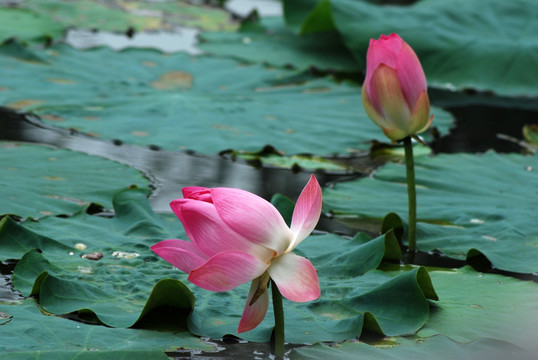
(37,181)
(270,42)
(121,291)
(466,205)
(27,25)
(33,335)
(530,133)
(438,347)
(452,38)
(479,306)
(68,289)
(114,15)
(176,101)
(479,316)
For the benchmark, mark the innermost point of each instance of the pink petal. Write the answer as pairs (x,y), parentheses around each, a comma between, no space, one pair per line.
(382,51)
(182,254)
(295,277)
(391,100)
(410,74)
(205,228)
(307,211)
(420,116)
(197,193)
(254,314)
(370,109)
(227,270)
(252,217)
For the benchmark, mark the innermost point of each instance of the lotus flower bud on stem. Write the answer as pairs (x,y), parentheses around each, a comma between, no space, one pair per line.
(395,97)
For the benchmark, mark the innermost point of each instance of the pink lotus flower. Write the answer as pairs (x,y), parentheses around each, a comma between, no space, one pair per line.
(236,237)
(394,92)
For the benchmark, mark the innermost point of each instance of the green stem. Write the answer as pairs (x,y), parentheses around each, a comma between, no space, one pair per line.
(278,310)
(411,194)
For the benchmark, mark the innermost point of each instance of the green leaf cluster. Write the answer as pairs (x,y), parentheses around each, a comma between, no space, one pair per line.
(461,44)
(125,291)
(148,98)
(466,207)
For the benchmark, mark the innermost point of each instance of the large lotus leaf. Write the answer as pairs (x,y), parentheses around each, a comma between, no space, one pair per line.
(308,16)
(38,180)
(124,303)
(29,334)
(272,43)
(438,347)
(181,102)
(121,289)
(477,306)
(115,15)
(481,316)
(27,25)
(465,204)
(349,302)
(461,44)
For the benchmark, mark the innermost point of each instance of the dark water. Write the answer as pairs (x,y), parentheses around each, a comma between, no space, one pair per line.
(480,128)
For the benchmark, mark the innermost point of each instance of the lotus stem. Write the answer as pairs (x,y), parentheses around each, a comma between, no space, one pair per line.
(278,310)
(411,194)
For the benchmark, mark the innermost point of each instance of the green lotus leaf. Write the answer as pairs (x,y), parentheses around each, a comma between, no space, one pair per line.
(478,316)
(32,20)
(483,306)
(466,205)
(181,102)
(270,42)
(32,335)
(440,347)
(38,180)
(453,39)
(27,25)
(128,282)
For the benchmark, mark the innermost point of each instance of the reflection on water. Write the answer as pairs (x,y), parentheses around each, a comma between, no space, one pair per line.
(183,39)
(167,171)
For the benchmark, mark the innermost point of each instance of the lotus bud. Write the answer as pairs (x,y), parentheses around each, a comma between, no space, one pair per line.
(394,92)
